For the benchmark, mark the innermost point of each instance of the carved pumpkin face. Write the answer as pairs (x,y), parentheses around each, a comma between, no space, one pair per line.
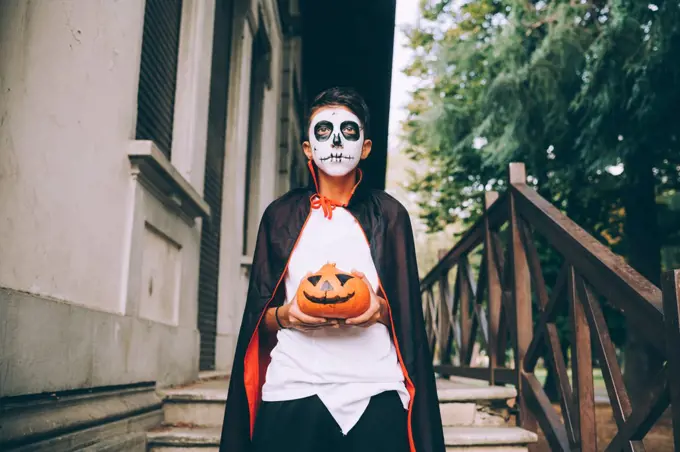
(333,294)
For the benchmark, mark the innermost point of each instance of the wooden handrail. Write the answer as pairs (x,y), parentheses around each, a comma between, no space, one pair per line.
(608,273)
(470,240)
(499,305)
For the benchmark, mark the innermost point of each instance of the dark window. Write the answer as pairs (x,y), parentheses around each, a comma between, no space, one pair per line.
(158,72)
(259,82)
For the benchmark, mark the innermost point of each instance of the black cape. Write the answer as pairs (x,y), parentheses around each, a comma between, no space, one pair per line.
(387,226)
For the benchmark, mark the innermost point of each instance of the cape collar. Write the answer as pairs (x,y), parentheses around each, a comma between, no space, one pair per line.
(325,203)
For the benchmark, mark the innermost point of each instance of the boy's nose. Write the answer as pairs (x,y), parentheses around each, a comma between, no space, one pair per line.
(337,142)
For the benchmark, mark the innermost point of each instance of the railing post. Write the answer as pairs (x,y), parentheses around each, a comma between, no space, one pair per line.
(581,367)
(521,295)
(464,301)
(493,286)
(444,316)
(670,285)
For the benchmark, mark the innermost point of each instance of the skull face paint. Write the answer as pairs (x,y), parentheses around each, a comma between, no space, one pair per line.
(337,140)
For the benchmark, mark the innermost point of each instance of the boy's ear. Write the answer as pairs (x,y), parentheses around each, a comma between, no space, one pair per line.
(307,149)
(366,149)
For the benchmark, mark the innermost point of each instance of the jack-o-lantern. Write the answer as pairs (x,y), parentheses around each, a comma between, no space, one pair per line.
(333,294)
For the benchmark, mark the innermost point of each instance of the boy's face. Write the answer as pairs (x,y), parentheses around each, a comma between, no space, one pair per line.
(336,141)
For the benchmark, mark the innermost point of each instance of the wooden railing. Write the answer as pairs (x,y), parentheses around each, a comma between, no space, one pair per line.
(510,283)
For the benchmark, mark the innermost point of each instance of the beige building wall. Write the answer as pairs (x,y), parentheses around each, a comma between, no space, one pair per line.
(99,232)
(69,94)
(98,262)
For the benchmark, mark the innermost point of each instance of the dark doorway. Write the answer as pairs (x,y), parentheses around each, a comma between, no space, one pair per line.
(368,36)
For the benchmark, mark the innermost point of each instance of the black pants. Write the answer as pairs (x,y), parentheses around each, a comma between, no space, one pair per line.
(305,425)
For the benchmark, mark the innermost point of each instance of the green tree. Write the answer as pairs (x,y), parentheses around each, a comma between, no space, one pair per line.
(582,92)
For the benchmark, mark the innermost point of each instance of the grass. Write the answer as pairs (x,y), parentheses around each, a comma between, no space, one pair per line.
(598,380)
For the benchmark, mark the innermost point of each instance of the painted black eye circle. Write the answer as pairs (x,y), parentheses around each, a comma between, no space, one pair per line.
(323,130)
(344,278)
(314,279)
(350,130)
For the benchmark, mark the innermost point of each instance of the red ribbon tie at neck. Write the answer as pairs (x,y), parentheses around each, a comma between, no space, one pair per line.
(327,204)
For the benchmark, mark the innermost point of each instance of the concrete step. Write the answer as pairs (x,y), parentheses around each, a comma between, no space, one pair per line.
(184,439)
(474,415)
(473,439)
(131,442)
(476,393)
(200,404)
(488,439)
(208,375)
(462,403)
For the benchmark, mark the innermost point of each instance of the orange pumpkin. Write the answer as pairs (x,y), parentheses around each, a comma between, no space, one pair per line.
(333,294)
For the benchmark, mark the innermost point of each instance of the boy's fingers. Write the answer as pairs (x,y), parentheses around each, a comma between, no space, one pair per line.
(296,312)
(308,319)
(305,327)
(372,321)
(302,327)
(364,278)
(368,322)
(365,317)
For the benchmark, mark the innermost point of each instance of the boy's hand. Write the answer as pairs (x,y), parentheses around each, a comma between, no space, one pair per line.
(291,316)
(376,312)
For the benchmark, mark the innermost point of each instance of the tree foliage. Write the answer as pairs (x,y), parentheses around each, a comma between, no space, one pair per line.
(570,88)
(585,92)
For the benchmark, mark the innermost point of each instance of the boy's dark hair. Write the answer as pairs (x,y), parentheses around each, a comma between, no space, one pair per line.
(346,97)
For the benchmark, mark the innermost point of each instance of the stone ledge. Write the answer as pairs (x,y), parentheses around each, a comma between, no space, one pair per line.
(180,436)
(207,391)
(488,436)
(133,442)
(100,434)
(195,395)
(208,375)
(155,170)
(27,420)
(88,348)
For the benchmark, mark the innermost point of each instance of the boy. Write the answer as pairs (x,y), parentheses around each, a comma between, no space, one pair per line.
(304,384)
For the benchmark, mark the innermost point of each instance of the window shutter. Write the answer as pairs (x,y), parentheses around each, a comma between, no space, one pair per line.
(158,72)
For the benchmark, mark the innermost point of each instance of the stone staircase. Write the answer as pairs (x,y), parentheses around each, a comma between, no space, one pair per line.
(476,417)
(192,417)
(480,418)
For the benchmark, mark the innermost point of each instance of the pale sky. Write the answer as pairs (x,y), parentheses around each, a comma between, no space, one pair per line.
(407,13)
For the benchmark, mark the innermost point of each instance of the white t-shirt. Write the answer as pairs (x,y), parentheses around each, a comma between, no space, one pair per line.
(343,367)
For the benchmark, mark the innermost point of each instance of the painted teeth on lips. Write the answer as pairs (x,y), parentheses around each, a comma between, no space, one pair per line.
(337,158)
